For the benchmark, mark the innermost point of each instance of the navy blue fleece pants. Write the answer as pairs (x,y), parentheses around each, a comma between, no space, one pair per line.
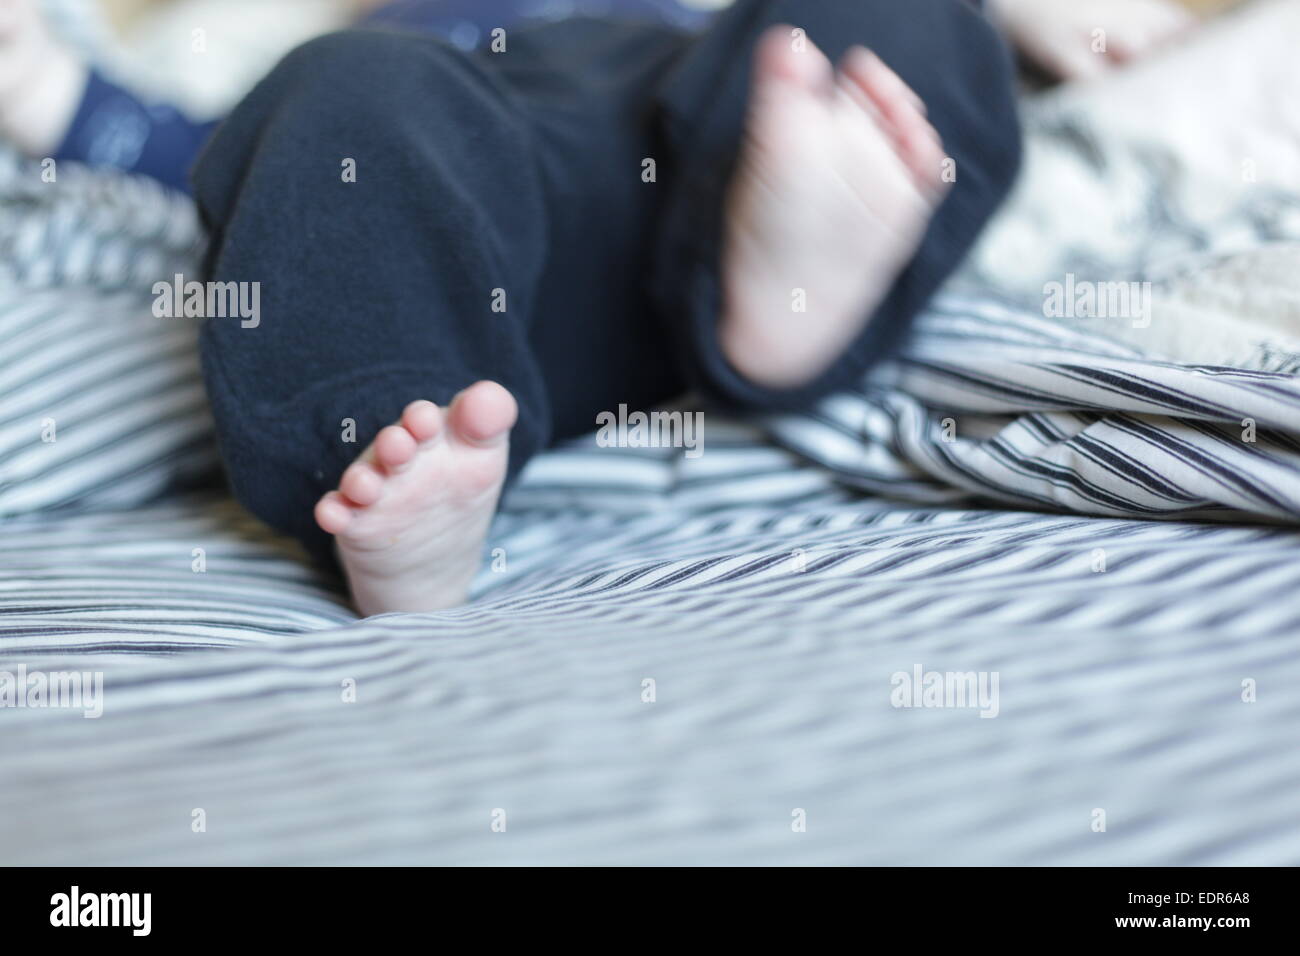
(500,225)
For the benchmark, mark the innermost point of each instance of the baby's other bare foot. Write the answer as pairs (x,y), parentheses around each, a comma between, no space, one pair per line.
(411,514)
(839,177)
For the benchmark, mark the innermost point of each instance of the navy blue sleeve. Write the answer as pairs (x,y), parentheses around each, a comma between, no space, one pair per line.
(113,127)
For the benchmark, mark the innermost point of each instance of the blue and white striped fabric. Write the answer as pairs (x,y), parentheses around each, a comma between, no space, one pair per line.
(1002,405)
(769,636)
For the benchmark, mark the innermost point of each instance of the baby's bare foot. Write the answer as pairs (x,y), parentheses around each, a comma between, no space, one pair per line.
(411,514)
(839,177)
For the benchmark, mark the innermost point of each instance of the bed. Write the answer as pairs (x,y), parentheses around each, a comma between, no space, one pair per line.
(712,660)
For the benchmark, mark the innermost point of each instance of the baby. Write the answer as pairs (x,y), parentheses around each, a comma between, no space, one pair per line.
(465,257)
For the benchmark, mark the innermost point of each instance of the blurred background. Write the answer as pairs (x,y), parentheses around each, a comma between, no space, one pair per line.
(151,39)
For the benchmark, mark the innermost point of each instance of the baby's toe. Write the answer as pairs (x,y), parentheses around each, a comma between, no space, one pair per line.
(362,484)
(786,54)
(482,414)
(897,101)
(394,447)
(333,514)
(423,420)
(899,111)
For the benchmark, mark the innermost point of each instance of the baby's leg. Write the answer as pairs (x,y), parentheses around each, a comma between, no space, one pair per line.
(842,214)
(383,194)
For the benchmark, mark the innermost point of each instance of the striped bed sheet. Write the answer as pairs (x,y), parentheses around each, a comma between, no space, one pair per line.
(667,676)
(990,401)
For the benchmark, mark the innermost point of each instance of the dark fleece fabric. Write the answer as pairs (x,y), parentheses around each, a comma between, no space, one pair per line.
(500,225)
